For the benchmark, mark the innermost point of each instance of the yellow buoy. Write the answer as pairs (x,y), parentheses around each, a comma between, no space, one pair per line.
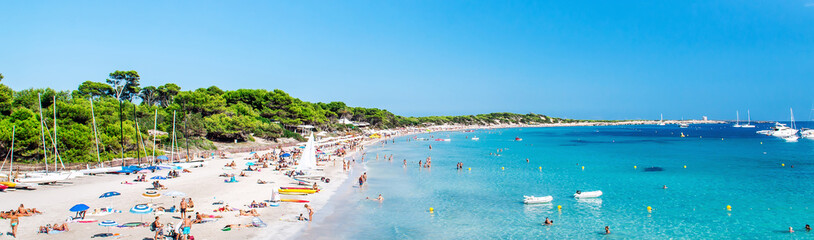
(649,208)
(583,167)
(431,209)
(470,169)
(634,166)
(782,164)
(722,139)
(728,208)
(559,207)
(685,166)
(541,168)
(502,168)
(761,142)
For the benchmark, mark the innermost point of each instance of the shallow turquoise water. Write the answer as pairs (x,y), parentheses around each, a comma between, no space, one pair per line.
(742,170)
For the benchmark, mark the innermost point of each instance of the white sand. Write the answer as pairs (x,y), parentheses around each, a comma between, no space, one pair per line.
(203,185)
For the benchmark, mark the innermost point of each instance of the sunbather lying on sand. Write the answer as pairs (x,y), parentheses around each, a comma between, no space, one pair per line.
(251,212)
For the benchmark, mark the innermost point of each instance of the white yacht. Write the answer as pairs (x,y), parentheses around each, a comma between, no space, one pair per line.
(737,120)
(749,121)
(683,125)
(782,131)
(661,120)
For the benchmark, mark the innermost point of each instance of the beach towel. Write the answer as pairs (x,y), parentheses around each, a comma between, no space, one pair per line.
(54,232)
(258,223)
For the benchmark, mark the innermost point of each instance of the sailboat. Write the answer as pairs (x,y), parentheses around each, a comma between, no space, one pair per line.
(308,162)
(749,121)
(737,120)
(661,120)
(50,177)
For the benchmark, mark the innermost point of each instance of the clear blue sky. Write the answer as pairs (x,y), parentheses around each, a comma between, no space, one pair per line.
(577,59)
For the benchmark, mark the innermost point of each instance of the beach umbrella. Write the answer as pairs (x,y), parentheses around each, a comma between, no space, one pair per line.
(250,164)
(158,178)
(141,209)
(250,152)
(285,155)
(108,224)
(110,194)
(151,195)
(144,171)
(163,157)
(79,207)
(175,194)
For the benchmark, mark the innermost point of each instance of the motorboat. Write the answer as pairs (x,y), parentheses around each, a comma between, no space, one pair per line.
(475,138)
(536,200)
(782,131)
(683,125)
(792,138)
(591,194)
(518,139)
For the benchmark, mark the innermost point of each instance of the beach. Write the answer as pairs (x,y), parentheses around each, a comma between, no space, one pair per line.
(202,184)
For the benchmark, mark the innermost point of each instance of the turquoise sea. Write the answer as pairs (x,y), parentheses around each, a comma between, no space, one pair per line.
(724,166)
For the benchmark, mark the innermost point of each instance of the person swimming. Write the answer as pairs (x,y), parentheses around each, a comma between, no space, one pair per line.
(548,222)
(808,228)
(607,230)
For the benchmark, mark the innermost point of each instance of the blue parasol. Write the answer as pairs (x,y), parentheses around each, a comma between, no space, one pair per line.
(79,207)
(110,194)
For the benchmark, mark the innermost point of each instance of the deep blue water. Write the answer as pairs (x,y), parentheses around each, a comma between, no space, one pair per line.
(724,166)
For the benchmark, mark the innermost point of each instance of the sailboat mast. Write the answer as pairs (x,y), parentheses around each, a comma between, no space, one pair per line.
(748,117)
(95,134)
(172,142)
(56,140)
(155,127)
(11,167)
(792,118)
(135,119)
(42,131)
(737,118)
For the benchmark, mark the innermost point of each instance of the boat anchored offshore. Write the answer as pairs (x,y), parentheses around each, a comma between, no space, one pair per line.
(737,120)
(807,133)
(592,194)
(475,138)
(749,121)
(536,200)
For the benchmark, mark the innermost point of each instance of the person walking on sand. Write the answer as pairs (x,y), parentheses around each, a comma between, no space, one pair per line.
(15,221)
(186,227)
(310,213)
(158,228)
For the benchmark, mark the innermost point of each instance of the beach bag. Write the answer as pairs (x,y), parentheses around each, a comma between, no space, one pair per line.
(152,227)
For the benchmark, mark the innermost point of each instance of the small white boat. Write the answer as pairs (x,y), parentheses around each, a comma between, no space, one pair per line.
(534,200)
(807,133)
(475,138)
(683,125)
(592,194)
(749,121)
(737,120)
